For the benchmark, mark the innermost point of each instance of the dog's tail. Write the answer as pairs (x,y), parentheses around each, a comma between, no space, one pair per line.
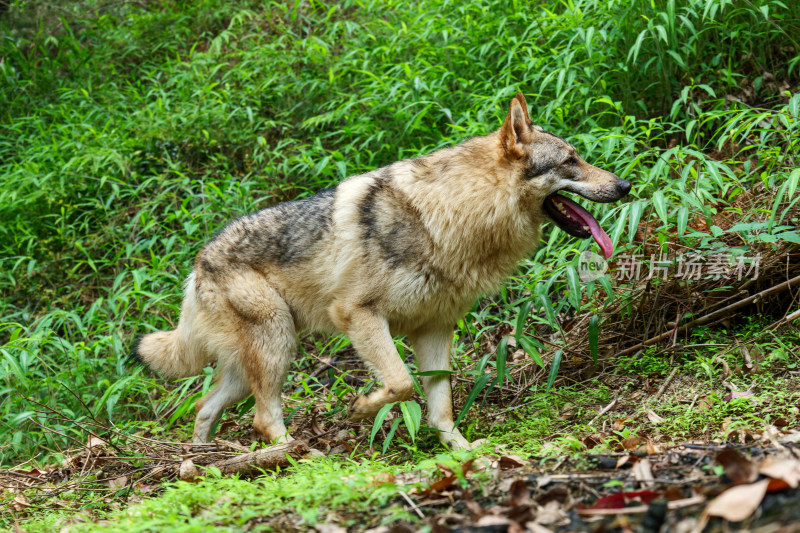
(181,352)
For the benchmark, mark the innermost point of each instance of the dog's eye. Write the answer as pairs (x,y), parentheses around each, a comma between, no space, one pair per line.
(571,162)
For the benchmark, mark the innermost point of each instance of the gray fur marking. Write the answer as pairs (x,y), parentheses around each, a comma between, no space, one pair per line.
(283,234)
(388,220)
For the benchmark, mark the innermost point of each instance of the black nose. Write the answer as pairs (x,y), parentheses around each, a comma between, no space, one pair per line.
(624,187)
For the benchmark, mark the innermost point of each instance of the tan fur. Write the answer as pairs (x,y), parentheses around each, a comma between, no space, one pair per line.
(405,249)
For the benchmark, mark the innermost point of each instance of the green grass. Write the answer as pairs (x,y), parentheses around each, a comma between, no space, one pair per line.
(696,407)
(314,489)
(334,489)
(129,135)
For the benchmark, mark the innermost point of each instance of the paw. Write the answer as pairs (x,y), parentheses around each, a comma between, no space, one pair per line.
(283,439)
(360,409)
(271,436)
(266,442)
(456,441)
(474,445)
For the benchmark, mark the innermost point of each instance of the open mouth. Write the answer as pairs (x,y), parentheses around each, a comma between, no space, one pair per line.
(577,221)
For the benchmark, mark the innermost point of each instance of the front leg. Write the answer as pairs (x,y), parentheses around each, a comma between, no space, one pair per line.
(432,348)
(369,333)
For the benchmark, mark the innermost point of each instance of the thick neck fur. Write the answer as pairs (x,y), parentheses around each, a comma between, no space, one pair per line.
(484,228)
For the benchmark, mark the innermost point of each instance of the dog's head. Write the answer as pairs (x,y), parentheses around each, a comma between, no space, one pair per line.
(544,164)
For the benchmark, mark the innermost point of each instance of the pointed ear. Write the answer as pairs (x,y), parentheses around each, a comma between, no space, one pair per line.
(515,131)
(524,105)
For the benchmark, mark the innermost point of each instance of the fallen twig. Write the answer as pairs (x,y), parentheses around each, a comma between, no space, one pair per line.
(719,313)
(604,410)
(677,504)
(249,464)
(411,503)
(665,384)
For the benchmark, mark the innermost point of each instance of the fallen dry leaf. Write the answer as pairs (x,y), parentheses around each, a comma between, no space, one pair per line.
(622,460)
(381,478)
(705,404)
(621,499)
(651,447)
(475,509)
(593,440)
(791,437)
(776,485)
(329,528)
(552,513)
(643,473)
(739,394)
(738,468)
(739,502)
(653,417)
(467,467)
(490,522)
(533,527)
(559,493)
(20,503)
(446,470)
(787,470)
(440,485)
(507,462)
(482,464)
(95,442)
(117,482)
(771,435)
(631,443)
(519,494)
(619,424)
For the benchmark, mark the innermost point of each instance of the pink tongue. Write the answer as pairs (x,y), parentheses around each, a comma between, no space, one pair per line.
(577,212)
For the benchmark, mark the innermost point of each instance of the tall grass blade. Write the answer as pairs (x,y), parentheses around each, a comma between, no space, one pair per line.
(594,337)
(554,366)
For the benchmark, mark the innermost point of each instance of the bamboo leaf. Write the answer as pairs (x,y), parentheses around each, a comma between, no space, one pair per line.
(480,383)
(530,346)
(389,436)
(554,366)
(502,355)
(548,310)
(634,216)
(412,416)
(379,418)
(525,310)
(594,337)
(574,284)
(683,220)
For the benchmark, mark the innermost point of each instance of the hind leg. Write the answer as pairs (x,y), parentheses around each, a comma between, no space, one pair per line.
(262,328)
(266,361)
(230,388)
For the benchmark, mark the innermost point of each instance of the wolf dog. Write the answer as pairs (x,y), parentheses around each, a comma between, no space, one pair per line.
(402,250)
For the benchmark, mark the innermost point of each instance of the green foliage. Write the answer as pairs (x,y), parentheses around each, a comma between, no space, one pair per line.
(130,133)
(554,366)
(540,427)
(594,337)
(411,417)
(229,504)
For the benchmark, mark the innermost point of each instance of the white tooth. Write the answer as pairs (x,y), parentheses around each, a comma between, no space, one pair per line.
(586,228)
